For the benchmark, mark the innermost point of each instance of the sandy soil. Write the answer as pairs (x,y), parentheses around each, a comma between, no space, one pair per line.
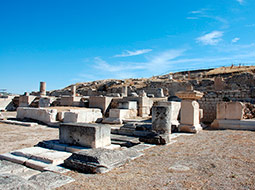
(13,137)
(217,160)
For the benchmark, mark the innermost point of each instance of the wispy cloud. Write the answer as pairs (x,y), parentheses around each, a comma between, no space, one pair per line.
(235,40)
(240,1)
(205,13)
(211,38)
(128,53)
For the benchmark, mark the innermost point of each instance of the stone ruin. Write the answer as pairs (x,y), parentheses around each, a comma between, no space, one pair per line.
(98,133)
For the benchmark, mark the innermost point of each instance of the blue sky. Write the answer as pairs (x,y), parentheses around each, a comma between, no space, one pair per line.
(64,42)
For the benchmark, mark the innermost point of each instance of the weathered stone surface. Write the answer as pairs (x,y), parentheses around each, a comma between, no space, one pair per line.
(43,88)
(230,110)
(9,167)
(100,102)
(50,180)
(123,113)
(219,83)
(99,160)
(40,114)
(87,115)
(234,124)
(161,122)
(112,120)
(45,102)
(88,135)
(11,182)
(5,102)
(25,101)
(190,95)
(128,105)
(174,112)
(70,101)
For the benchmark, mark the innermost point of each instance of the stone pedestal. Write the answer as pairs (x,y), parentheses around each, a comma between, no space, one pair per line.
(88,135)
(43,88)
(190,117)
(161,121)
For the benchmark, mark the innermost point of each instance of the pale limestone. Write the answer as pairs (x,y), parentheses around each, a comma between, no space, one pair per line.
(88,135)
(25,101)
(230,110)
(100,102)
(44,115)
(123,113)
(87,115)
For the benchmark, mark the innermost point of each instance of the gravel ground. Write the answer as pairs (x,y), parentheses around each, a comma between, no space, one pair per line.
(221,159)
(208,160)
(13,137)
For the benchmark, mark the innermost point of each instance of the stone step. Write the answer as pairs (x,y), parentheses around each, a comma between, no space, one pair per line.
(125,138)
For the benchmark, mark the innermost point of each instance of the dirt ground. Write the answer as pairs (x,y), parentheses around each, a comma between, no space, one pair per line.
(217,160)
(13,137)
(211,160)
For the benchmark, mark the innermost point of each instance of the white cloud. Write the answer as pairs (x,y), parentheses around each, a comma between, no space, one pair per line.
(235,40)
(212,38)
(240,1)
(192,18)
(128,53)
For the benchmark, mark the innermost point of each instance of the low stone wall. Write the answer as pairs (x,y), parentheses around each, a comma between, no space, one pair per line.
(209,102)
(44,115)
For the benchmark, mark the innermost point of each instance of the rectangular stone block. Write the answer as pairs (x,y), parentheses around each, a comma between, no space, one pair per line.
(70,101)
(88,135)
(230,110)
(128,105)
(40,114)
(87,115)
(100,102)
(25,101)
(123,113)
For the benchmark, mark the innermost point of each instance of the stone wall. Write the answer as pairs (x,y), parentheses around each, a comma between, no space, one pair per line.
(209,102)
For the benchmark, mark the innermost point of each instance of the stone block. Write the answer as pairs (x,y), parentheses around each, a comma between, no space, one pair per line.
(100,160)
(100,102)
(50,180)
(5,102)
(230,110)
(87,115)
(40,114)
(128,105)
(25,101)
(70,101)
(88,135)
(190,112)
(46,101)
(123,113)
(234,124)
(175,110)
(11,181)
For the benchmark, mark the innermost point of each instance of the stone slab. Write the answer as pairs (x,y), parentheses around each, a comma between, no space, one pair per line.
(10,167)
(13,158)
(99,160)
(11,182)
(50,180)
(234,124)
(13,122)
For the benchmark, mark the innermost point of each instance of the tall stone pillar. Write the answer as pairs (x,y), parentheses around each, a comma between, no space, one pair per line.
(124,91)
(43,88)
(160,93)
(190,119)
(73,90)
